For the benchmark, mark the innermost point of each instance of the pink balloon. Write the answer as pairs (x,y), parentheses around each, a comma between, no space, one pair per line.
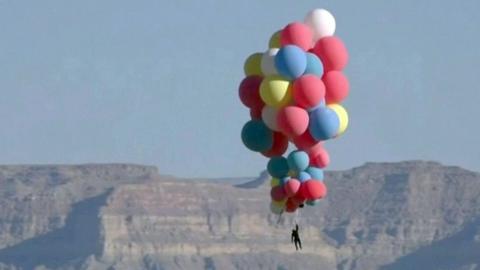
(280,145)
(249,92)
(278,193)
(297,34)
(291,187)
(336,85)
(308,91)
(292,121)
(314,189)
(332,52)
(319,156)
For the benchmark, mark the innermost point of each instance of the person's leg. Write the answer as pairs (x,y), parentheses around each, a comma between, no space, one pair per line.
(296,245)
(300,243)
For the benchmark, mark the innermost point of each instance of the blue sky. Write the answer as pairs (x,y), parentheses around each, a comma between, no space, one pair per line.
(155,82)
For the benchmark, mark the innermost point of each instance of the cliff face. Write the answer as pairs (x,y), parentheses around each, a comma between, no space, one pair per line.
(410,215)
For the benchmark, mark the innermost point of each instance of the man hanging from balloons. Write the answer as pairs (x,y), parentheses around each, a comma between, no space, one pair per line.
(294,91)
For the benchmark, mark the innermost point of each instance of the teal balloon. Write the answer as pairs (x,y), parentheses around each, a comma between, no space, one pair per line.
(298,160)
(291,62)
(316,173)
(313,202)
(324,123)
(304,176)
(278,167)
(314,65)
(257,136)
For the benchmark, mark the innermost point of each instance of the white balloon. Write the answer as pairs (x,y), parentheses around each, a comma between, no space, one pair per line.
(269,116)
(321,22)
(268,62)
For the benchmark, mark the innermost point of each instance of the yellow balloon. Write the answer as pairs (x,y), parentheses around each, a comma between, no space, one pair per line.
(342,115)
(252,65)
(275,91)
(275,40)
(279,204)
(274,182)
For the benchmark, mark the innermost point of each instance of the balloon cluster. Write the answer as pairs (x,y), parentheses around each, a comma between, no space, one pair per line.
(293,91)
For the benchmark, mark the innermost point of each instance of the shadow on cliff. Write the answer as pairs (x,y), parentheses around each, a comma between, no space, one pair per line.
(78,239)
(454,252)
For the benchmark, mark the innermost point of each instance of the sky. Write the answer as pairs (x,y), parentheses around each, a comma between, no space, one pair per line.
(156,82)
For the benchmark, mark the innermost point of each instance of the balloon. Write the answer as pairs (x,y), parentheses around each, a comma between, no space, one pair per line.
(256,114)
(256,136)
(298,198)
(324,123)
(249,92)
(269,116)
(279,146)
(298,160)
(278,167)
(304,176)
(252,65)
(278,193)
(291,187)
(275,209)
(275,91)
(292,120)
(342,115)
(316,173)
(274,182)
(279,204)
(319,156)
(336,86)
(291,62)
(313,202)
(314,65)
(298,34)
(308,91)
(284,180)
(332,52)
(304,141)
(275,40)
(314,190)
(321,22)
(268,62)
(290,206)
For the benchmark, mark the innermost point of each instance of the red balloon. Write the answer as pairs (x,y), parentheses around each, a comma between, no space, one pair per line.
(304,141)
(291,187)
(314,189)
(256,113)
(249,92)
(297,34)
(319,156)
(279,147)
(336,85)
(298,198)
(332,52)
(278,193)
(290,206)
(292,121)
(308,91)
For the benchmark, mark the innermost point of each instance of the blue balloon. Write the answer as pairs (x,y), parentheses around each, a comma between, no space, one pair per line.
(257,136)
(304,176)
(316,173)
(313,202)
(278,167)
(322,103)
(291,62)
(314,65)
(298,160)
(324,123)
